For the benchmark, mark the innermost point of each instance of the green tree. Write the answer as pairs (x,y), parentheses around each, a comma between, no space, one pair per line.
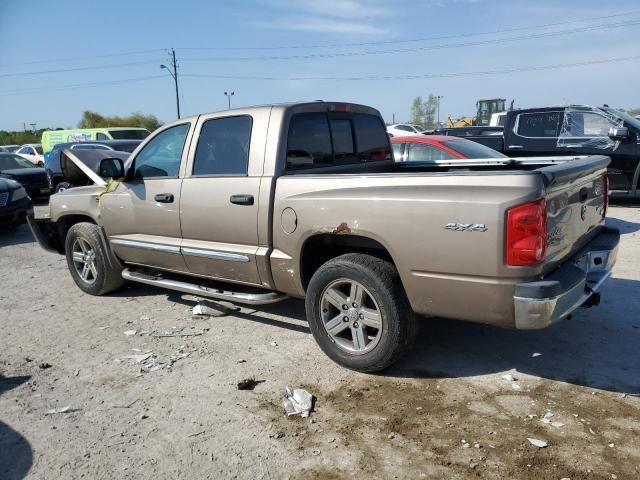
(423,112)
(92,119)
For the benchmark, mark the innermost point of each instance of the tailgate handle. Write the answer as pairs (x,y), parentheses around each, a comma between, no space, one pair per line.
(243,199)
(164,198)
(584,194)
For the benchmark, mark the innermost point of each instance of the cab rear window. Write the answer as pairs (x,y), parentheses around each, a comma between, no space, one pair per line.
(318,140)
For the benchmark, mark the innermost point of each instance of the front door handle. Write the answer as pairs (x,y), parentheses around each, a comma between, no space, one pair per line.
(243,199)
(164,198)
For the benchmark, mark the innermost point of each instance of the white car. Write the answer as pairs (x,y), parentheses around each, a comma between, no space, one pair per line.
(33,153)
(404,130)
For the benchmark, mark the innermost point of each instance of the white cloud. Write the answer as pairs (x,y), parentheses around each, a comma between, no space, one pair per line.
(329,16)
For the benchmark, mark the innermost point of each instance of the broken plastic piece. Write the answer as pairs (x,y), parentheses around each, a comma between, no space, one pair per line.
(297,401)
(537,443)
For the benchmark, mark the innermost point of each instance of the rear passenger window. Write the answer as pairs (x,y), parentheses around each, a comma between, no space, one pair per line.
(223,146)
(101,136)
(309,141)
(322,140)
(539,125)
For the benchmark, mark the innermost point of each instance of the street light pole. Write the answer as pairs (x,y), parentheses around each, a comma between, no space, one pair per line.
(229,95)
(438,103)
(174,75)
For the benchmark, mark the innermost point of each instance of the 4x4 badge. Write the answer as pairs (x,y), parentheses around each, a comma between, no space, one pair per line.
(466,227)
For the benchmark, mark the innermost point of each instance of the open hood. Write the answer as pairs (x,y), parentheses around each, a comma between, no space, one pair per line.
(80,166)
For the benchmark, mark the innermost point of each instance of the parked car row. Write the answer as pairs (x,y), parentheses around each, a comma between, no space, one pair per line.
(38,167)
(569,130)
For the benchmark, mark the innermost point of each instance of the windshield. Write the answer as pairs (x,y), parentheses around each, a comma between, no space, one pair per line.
(129,134)
(472,149)
(9,162)
(634,122)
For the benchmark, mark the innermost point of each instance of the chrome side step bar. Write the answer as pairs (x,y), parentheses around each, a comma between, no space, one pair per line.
(194,289)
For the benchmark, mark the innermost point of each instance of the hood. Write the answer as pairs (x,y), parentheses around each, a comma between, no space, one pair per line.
(24,173)
(80,167)
(8,185)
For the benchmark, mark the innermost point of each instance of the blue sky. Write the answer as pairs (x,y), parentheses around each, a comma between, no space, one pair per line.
(111,51)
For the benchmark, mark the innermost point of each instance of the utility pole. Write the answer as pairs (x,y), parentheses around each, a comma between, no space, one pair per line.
(33,127)
(174,75)
(438,108)
(229,95)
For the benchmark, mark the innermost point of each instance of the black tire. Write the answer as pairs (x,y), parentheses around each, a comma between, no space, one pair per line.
(62,186)
(383,283)
(107,277)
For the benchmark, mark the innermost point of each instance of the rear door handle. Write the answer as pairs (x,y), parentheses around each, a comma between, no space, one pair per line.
(243,199)
(164,198)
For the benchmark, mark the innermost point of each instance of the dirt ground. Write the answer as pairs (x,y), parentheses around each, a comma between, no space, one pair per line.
(445,411)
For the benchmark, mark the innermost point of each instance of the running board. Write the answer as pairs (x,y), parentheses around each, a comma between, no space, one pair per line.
(200,290)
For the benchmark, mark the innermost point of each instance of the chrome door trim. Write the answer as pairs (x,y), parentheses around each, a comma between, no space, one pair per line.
(156,247)
(198,252)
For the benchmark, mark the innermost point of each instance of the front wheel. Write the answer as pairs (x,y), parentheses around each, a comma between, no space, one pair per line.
(88,262)
(358,312)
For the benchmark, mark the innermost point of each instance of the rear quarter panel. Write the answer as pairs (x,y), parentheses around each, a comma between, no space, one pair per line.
(446,273)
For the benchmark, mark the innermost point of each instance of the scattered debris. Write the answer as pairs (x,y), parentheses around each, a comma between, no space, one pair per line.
(537,443)
(277,435)
(195,333)
(391,436)
(130,333)
(58,410)
(509,378)
(611,445)
(536,354)
(197,433)
(76,373)
(139,358)
(242,360)
(557,424)
(274,344)
(202,309)
(103,328)
(128,405)
(297,401)
(247,384)
(44,365)
(315,452)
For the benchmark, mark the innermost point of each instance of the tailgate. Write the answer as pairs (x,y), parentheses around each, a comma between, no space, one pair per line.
(575,194)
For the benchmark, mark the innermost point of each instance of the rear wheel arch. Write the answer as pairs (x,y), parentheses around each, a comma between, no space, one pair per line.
(320,248)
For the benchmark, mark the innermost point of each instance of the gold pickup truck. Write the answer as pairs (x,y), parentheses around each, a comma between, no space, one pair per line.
(305,200)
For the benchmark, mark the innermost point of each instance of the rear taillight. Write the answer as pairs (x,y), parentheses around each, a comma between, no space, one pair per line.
(606,195)
(526,233)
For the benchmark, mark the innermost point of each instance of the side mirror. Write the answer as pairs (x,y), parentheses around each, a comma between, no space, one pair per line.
(111,168)
(619,133)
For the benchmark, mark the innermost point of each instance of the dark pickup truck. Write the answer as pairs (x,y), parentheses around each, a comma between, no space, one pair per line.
(569,130)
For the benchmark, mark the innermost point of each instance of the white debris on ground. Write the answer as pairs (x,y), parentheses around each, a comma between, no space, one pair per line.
(537,443)
(297,401)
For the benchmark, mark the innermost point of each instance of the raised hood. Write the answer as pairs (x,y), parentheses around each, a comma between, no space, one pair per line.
(80,166)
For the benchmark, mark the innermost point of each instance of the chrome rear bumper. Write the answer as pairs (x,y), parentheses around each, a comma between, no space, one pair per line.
(576,283)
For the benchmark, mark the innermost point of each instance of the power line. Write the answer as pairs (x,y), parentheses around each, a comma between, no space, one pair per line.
(91,57)
(421,76)
(29,91)
(413,40)
(415,49)
(79,69)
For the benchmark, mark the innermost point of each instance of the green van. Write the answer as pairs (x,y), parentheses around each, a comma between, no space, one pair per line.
(51,138)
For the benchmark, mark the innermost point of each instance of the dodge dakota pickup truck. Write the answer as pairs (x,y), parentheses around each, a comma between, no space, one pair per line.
(259,204)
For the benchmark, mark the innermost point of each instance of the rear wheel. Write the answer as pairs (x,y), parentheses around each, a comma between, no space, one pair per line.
(358,312)
(88,262)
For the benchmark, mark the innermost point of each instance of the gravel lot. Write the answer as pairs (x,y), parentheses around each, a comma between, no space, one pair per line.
(444,412)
